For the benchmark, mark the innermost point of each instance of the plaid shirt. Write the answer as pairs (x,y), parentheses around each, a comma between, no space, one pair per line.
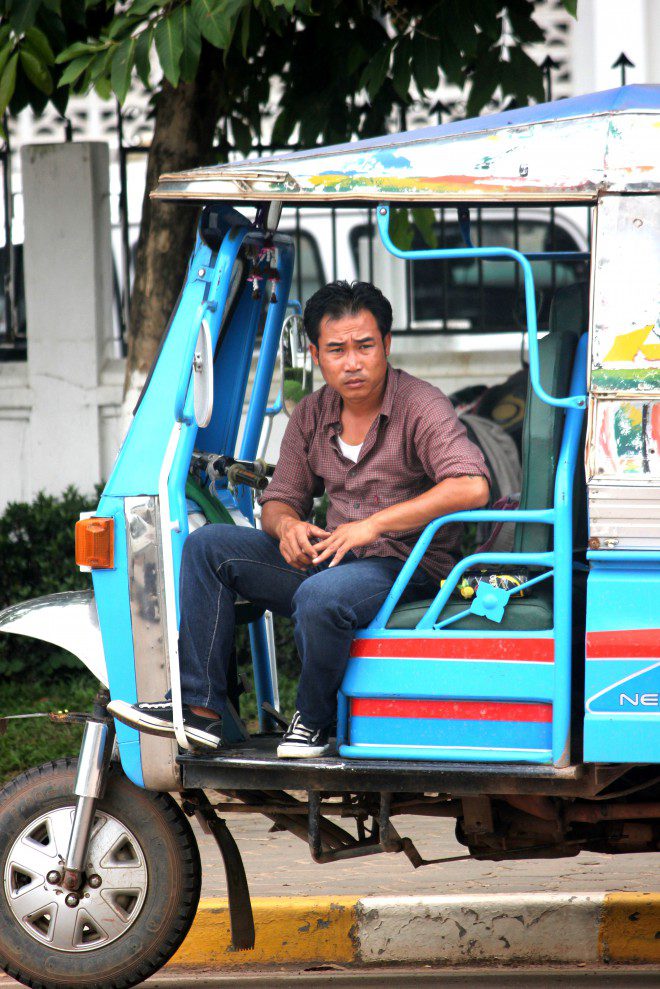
(415,442)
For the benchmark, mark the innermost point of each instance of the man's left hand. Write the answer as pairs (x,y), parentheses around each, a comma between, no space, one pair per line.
(345,538)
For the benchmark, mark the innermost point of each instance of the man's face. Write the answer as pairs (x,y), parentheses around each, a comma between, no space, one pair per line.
(352,355)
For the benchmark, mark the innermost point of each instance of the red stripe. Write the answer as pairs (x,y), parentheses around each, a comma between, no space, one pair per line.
(516,650)
(631,643)
(369,707)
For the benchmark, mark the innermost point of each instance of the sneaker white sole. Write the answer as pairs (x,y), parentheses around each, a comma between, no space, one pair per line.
(288,750)
(150,724)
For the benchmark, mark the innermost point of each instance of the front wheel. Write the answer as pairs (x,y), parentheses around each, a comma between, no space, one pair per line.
(142,883)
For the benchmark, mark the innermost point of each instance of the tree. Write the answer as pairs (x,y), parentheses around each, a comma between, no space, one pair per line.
(344,66)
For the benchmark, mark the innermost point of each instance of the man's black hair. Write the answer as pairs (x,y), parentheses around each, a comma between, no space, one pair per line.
(339,299)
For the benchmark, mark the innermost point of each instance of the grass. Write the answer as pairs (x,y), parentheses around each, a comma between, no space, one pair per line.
(33,741)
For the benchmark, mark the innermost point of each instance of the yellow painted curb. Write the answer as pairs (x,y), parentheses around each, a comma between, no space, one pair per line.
(630,928)
(289,930)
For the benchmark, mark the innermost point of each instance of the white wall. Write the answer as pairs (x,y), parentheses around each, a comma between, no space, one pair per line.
(59,412)
(603,30)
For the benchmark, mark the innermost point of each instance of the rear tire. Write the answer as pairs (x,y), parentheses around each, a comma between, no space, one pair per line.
(145,853)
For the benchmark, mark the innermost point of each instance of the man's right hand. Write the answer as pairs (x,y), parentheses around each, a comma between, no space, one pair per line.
(295,544)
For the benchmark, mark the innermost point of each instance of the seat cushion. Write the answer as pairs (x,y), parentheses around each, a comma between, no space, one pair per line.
(528,614)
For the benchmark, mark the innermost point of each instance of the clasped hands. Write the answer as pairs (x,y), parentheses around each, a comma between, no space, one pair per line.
(298,550)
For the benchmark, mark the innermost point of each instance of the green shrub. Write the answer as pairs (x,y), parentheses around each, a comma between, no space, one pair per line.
(37,558)
(31,742)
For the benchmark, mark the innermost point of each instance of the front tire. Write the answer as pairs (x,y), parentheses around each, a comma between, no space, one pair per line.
(130,920)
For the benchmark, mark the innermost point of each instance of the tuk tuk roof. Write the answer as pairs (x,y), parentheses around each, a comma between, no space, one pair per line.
(570,149)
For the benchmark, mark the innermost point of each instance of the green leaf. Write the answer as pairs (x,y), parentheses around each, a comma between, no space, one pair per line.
(100,64)
(4,56)
(59,98)
(425,58)
(36,71)
(485,81)
(5,31)
(23,14)
(401,73)
(217,19)
(527,74)
(245,30)
(192,45)
(122,66)
(75,69)
(424,219)
(103,87)
(142,50)
(523,24)
(54,5)
(142,7)
(79,48)
(283,128)
(355,58)
(169,45)
(122,26)
(376,71)
(40,45)
(8,83)
(401,230)
(242,135)
(571,7)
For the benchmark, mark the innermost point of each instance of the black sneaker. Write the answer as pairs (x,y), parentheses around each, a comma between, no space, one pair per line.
(157,718)
(300,742)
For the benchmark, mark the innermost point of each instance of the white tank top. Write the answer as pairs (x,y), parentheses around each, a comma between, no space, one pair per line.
(352,452)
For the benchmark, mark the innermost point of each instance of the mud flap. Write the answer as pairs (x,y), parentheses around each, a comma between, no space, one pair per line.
(238,893)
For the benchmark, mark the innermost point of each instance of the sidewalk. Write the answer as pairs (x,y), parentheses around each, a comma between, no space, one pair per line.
(589,910)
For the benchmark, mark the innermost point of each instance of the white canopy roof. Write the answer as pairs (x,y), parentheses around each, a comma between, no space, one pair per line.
(571,149)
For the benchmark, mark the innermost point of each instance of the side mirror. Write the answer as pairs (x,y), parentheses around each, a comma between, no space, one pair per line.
(202,370)
(296,363)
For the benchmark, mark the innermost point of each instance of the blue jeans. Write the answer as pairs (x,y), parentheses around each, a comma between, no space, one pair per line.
(223,562)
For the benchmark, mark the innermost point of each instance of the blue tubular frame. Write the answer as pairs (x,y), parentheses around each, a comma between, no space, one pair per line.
(256,413)
(559,561)
(471,254)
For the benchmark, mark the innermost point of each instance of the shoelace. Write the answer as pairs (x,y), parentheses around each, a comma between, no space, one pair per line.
(298,733)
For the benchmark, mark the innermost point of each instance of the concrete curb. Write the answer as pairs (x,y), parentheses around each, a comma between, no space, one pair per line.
(525,928)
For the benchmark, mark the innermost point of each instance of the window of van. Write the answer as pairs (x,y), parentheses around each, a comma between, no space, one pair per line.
(484,296)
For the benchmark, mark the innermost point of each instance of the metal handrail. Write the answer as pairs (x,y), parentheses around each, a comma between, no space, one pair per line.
(473,253)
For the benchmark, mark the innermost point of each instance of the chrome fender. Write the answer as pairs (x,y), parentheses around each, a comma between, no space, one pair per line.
(69,620)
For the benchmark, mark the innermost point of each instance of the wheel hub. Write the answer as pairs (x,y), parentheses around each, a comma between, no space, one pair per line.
(108,902)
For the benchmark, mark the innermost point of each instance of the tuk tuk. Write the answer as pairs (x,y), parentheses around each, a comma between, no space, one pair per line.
(529,712)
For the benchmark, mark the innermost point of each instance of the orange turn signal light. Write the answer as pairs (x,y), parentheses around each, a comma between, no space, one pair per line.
(95,543)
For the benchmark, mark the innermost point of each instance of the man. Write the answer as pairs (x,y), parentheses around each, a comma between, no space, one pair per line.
(391,455)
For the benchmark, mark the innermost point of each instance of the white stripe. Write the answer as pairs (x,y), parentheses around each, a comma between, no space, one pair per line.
(172,632)
(451,659)
(453,748)
(620,659)
(618,683)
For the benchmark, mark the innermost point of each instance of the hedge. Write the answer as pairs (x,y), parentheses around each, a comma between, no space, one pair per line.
(37,558)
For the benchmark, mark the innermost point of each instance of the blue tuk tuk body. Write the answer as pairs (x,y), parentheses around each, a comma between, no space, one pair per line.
(489,681)
(550,689)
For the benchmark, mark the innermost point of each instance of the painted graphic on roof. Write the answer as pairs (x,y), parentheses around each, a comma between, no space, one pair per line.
(571,148)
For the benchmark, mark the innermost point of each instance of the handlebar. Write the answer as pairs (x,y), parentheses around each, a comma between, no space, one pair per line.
(253,473)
